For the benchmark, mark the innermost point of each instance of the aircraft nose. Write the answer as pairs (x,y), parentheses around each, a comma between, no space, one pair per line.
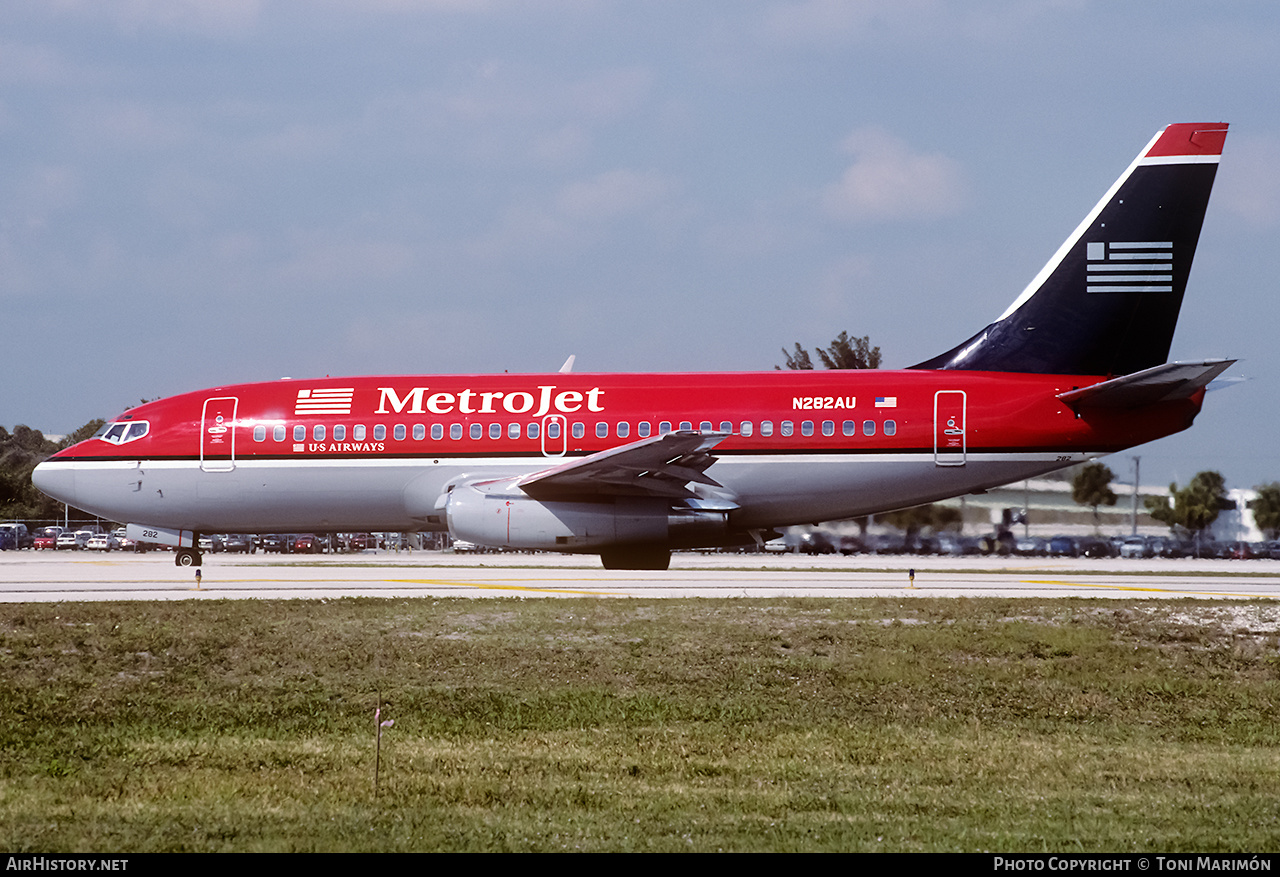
(57,480)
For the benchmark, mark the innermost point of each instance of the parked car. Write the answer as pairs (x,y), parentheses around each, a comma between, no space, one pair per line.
(1135,546)
(72,541)
(816,543)
(275,543)
(239,543)
(18,535)
(102,542)
(1063,546)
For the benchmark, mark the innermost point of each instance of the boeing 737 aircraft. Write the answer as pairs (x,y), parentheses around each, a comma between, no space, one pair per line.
(631,466)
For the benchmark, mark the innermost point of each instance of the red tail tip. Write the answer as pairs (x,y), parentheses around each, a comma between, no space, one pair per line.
(1190,138)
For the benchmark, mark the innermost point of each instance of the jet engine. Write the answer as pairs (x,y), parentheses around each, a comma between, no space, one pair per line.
(499,514)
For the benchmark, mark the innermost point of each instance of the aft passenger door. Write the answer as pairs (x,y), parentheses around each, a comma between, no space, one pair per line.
(218,434)
(949,440)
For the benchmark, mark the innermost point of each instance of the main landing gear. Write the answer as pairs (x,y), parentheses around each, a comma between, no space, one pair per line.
(187,557)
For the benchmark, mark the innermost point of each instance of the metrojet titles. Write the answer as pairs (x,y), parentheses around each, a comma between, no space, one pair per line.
(546,400)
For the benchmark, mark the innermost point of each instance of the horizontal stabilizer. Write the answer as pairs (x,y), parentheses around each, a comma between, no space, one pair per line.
(1163,383)
(658,466)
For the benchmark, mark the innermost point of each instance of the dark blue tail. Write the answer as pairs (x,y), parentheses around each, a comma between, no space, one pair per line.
(1108,301)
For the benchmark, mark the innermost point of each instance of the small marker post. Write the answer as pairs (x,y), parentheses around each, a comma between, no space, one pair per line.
(911,578)
(197,579)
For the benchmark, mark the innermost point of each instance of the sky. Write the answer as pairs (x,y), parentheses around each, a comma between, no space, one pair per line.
(202,192)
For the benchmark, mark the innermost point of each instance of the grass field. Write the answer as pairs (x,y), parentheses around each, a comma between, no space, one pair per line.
(662,725)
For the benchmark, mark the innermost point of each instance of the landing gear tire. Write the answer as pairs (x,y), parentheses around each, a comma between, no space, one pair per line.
(636,557)
(187,557)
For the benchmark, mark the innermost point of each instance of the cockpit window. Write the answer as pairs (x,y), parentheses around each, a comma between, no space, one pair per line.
(123,432)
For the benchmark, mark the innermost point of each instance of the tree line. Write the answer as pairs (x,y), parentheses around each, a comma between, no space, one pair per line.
(20,452)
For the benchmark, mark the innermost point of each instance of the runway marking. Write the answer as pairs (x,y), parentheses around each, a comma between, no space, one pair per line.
(492,587)
(1151,590)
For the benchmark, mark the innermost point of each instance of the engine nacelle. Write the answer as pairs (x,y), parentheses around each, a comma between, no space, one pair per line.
(498,514)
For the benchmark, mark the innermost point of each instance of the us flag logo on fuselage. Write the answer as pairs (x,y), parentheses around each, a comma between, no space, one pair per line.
(335,401)
(1130,266)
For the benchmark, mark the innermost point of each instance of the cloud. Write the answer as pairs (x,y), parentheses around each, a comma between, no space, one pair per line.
(889,181)
(579,211)
(612,194)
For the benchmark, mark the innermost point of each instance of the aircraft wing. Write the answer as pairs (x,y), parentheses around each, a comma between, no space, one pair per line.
(1163,383)
(659,466)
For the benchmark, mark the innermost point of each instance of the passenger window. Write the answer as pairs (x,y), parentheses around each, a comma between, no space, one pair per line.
(299,433)
(828,427)
(890,427)
(868,427)
(685,426)
(259,433)
(398,431)
(317,432)
(744,428)
(437,431)
(705,426)
(664,427)
(806,427)
(579,430)
(602,430)
(477,431)
(766,427)
(553,429)
(850,427)
(495,430)
(419,432)
(513,431)
(787,428)
(624,429)
(643,429)
(357,432)
(379,432)
(455,431)
(278,433)
(339,433)
(726,426)
(532,431)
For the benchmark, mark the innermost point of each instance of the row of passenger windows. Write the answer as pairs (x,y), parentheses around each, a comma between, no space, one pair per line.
(622,429)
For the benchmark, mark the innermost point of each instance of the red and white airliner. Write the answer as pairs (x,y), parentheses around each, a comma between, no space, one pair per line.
(630,466)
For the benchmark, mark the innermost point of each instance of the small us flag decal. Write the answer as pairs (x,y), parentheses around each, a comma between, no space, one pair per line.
(1129,266)
(886,401)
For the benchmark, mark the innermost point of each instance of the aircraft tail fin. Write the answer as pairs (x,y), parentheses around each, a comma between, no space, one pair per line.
(1108,301)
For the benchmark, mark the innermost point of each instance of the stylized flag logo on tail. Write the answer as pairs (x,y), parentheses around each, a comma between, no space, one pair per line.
(1131,266)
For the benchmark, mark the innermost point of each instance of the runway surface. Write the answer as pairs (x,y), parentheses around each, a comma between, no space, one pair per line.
(29,576)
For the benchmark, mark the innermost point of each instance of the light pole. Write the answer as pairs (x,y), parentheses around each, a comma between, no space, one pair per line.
(1137,462)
